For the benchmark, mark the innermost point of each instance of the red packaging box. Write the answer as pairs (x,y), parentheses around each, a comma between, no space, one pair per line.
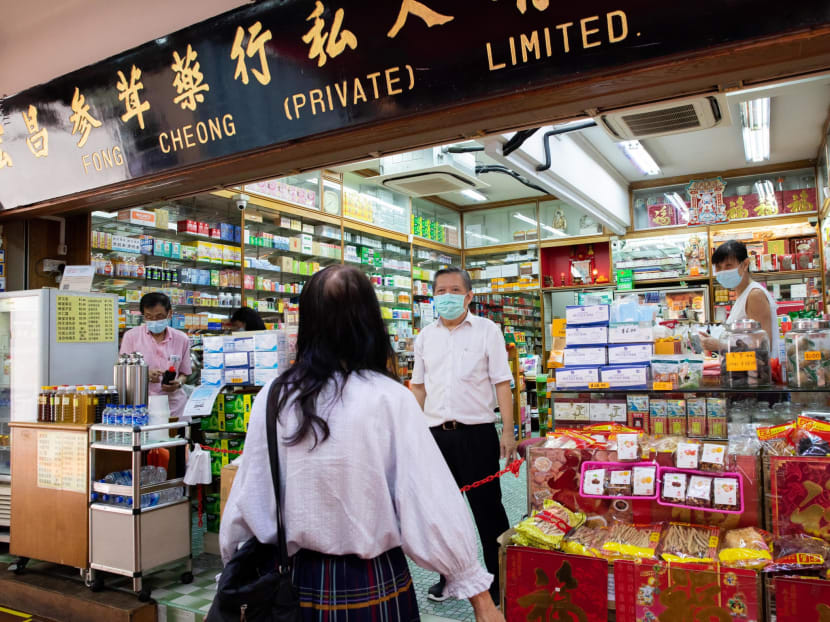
(187,226)
(203,227)
(638,420)
(544,585)
(799,600)
(693,592)
(215,234)
(250,282)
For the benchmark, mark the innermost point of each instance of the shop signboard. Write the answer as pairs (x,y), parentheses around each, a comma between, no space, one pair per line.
(276,72)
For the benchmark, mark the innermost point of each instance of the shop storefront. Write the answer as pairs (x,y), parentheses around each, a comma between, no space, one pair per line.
(226,163)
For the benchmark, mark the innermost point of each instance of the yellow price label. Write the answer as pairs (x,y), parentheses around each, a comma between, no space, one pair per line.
(741,361)
(713,542)
(812,355)
(663,386)
(599,385)
(558,327)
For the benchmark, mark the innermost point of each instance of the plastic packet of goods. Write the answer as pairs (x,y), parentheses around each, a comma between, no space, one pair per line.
(689,543)
(748,547)
(546,529)
(812,437)
(777,440)
(633,541)
(586,541)
(800,553)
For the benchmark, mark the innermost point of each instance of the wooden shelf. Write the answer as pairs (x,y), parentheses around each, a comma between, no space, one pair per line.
(567,288)
(679,279)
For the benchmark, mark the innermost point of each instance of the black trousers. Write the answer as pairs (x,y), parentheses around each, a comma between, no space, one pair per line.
(472,453)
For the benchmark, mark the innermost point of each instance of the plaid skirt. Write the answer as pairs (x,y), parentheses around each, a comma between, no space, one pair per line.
(334,588)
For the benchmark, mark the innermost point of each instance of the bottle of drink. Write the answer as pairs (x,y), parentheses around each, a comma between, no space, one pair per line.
(127,422)
(42,405)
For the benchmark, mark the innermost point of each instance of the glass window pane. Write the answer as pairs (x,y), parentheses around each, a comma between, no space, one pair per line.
(559,219)
(374,204)
(505,271)
(502,225)
(664,257)
(435,222)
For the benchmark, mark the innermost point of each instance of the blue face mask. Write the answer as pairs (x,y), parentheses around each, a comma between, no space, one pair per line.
(730,279)
(450,306)
(157,326)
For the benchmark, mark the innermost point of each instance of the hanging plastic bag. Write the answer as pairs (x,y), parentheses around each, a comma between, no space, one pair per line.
(198,467)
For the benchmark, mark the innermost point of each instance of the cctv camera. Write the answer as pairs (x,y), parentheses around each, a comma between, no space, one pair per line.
(813,221)
(241,201)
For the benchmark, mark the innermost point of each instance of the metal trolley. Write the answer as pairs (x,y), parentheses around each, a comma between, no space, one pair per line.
(135,541)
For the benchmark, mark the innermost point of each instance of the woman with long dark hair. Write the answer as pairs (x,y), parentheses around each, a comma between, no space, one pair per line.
(363,482)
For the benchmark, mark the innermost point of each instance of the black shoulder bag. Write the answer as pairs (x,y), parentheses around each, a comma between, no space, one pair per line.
(256,584)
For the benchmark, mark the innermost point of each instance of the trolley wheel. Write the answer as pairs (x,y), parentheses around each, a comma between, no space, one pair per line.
(144,596)
(187,577)
(97,584)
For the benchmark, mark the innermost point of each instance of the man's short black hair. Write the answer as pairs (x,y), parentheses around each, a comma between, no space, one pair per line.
(153,299)
(728,250)
(465,276)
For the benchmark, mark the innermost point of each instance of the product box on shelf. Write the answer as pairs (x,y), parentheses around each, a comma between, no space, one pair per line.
(213,360)
(137,217)
(607,410)
(624,354)
(586,314)
(572,410)
(630,332)
(584,355)
(265,360)
(625,376)
(658,416)
(237,359)
(213,377)
(576,377)
(237,375)
(676,412)
(586,335)
(716,417)
(235,422)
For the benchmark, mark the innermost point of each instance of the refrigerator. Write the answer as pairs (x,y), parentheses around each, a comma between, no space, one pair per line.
(49,337)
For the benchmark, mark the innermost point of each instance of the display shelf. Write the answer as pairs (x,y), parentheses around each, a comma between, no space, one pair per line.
(116,489)
(680,279)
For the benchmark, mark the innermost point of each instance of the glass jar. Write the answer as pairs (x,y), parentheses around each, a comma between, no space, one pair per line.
(746,360)
(823,343)
(804,355)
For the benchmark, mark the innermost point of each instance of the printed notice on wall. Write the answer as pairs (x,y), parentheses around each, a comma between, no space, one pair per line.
(61,460)
(85,319)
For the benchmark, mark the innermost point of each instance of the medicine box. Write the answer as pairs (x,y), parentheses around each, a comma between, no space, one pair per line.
(213,377)
(137,217)
(630,332)
(243,344)
(586,314)
(265,360)
(237,359)
(625,376)
(586,335)
(266,341)
(696,417)
(608,410)
(576,377)
(213,344)
(213,360)
(235,422)
(572,409)
(237,375)
(264,376)
(625,354)
(585,355)
(238,403)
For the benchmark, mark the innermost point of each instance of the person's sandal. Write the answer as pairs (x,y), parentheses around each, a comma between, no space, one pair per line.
(437,592)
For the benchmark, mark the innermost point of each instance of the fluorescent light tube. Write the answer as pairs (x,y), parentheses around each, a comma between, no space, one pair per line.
(105,214)
(524,218)
(634,151)
(755,120)
(475,195)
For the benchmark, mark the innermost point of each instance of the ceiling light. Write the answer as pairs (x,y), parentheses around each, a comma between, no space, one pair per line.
(524,218)
(755,119)
(475,195)
(679,204)
(105,214)
(639,157)
(481,236)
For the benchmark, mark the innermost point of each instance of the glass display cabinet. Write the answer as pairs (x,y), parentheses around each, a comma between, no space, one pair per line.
(425,263)
(373,204)
(500,225)
(668,257)
(742,198)
(503,270)
(435,222)
(304,190)
(558,219)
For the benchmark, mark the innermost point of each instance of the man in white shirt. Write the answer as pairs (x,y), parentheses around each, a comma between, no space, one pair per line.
(459,359)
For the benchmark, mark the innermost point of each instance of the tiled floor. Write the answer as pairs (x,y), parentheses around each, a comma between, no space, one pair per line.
(196,597)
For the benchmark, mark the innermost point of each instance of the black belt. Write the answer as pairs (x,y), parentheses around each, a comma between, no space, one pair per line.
(457,425)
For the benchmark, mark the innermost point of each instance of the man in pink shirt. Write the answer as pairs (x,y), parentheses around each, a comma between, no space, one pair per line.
(162,347)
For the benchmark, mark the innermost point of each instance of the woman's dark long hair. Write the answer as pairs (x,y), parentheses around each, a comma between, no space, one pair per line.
(341,332)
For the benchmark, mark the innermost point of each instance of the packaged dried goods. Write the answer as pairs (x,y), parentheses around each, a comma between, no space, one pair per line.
(748,547)
(673,487)
(619,483)
(713,457)
(585,540)
(687,456)
(644,479)
(699,491)
(725,491)
(688,543)
(746,358)
(633,541)
(547,528)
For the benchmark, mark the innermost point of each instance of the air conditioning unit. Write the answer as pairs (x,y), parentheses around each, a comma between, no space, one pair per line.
(428,172)
(665,118)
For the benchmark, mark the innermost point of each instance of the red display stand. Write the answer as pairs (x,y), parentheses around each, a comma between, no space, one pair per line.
(802,600)
(543,585)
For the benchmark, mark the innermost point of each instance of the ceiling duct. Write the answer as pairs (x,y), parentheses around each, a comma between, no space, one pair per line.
(428,172)
(666,118)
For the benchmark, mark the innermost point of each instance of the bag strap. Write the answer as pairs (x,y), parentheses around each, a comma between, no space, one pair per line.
(274,455)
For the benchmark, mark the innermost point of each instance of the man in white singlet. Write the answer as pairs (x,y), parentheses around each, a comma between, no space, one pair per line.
(754,302)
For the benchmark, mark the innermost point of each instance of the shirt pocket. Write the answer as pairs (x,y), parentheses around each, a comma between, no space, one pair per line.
(473,363)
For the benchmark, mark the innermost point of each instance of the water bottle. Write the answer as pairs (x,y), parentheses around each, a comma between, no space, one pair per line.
(143,420)
(105,419)
(150,500)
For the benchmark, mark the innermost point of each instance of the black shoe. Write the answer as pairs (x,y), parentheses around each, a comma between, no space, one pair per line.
(437,592)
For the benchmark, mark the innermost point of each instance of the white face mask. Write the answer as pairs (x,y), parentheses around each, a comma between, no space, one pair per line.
(730,279)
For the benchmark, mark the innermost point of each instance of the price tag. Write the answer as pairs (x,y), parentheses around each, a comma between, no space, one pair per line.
(558,327)
(812,355)
(741,361)
(663,386)
(599,385)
